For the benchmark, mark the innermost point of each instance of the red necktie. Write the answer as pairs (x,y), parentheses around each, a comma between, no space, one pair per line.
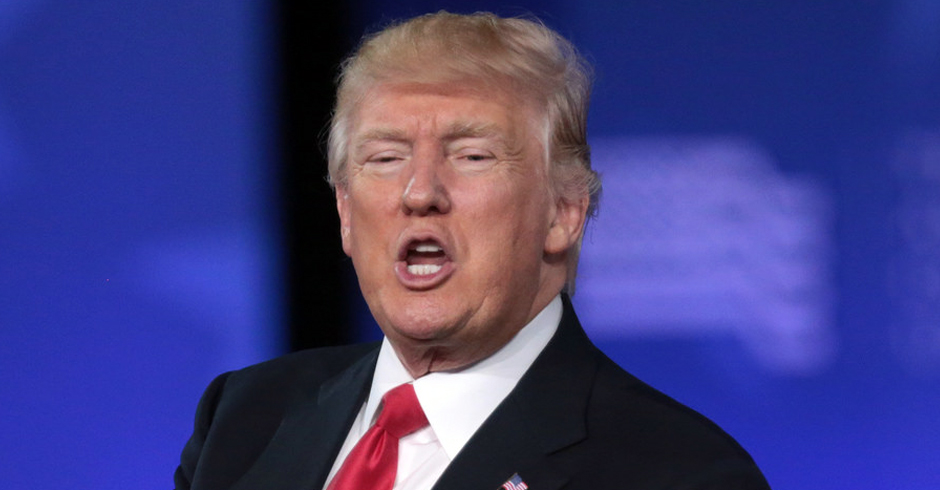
(372,464)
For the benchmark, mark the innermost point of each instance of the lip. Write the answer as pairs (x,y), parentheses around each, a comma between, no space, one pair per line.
(424,281)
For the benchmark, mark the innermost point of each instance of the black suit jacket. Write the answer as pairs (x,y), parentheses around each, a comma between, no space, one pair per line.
(575,421)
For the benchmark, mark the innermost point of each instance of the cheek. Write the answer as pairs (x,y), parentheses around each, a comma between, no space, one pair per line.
(512,224)
(358,226)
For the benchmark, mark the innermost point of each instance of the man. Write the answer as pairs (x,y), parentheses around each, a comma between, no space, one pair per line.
(463,182)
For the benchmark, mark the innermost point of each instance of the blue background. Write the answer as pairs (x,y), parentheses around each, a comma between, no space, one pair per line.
(137,253)
(768,248)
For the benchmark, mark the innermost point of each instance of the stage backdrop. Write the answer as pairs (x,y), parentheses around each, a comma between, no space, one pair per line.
(138,256)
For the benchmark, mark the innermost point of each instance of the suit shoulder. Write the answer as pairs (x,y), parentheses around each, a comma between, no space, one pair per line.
(242,410)
(627,414)
(619,392)
(308,367)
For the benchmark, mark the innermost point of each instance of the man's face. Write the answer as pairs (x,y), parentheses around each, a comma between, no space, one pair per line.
(449,220)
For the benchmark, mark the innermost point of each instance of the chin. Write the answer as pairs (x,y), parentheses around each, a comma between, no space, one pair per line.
(423,322)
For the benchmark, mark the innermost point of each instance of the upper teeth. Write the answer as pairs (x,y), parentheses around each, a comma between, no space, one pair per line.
(427,248)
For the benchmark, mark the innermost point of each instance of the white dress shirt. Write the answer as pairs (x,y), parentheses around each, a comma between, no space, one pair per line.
(456,403)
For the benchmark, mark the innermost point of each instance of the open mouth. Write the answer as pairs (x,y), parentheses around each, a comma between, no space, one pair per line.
(425,258)
(423,263)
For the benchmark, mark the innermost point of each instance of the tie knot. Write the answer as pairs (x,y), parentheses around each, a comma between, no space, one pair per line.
(401,412)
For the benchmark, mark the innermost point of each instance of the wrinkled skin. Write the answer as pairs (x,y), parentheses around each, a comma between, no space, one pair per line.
(460,171)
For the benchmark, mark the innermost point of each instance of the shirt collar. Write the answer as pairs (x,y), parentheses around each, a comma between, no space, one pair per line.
(457,403)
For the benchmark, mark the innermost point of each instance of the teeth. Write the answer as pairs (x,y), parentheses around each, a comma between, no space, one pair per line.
(428,248)
(423,269)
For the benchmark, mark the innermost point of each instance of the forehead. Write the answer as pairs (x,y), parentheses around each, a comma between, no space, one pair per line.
(441,108)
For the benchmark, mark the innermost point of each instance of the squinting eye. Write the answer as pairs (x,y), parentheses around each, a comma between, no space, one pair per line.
(477,157)
(383,159)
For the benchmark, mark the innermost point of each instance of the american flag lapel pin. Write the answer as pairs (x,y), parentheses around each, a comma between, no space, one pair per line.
(514,483)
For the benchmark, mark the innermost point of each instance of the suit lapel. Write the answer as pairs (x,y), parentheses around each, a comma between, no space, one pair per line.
(544,414)
(314,427)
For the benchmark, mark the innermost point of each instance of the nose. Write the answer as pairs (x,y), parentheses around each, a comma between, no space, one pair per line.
(426,192)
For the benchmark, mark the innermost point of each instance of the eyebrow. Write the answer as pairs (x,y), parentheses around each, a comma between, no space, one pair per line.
(381,134)
(462,129)
(466,129)
(453,132)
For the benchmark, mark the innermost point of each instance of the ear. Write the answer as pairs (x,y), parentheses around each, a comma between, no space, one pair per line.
(566,225)
(342,208)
